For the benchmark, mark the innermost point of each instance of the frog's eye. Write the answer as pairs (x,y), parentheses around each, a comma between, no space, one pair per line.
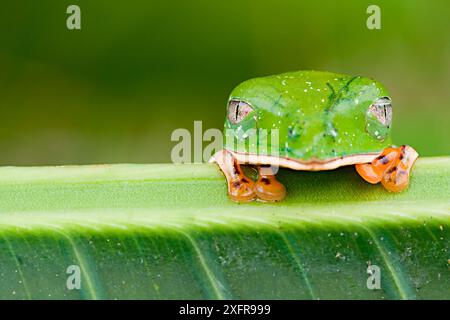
(382,111)
(238,110)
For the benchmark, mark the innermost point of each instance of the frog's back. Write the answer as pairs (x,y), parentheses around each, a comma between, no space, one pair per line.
(319,115)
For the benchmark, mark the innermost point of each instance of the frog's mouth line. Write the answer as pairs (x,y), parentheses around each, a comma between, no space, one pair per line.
(309,165)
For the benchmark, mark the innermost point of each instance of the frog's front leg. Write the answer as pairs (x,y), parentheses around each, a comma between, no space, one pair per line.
(268,188)
(240,187)
(391,168)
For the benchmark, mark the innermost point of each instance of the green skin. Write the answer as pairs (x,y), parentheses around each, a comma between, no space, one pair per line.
(319,115)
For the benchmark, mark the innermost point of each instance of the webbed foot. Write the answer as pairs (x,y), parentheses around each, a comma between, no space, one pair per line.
(240,187)
(268,188)
(391,168)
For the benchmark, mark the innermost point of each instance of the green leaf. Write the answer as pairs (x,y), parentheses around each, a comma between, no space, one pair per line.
(169,232)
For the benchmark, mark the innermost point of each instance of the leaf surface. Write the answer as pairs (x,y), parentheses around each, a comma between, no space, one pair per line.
(165,231)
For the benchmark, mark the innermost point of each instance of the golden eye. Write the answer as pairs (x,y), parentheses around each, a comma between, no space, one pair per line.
(238,110)
(382,111)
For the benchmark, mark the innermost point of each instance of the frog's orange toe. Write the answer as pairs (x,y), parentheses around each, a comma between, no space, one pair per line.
(241,190)
(396,178)
(368,173)
(391,168)
(268,188)
(240,187)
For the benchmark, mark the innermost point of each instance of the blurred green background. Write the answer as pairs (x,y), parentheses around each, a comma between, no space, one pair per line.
(115,90)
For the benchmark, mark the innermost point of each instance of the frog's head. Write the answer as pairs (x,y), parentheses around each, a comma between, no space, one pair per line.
(320,113)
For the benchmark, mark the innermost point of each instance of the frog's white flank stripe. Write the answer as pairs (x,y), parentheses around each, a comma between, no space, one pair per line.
(310,165)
